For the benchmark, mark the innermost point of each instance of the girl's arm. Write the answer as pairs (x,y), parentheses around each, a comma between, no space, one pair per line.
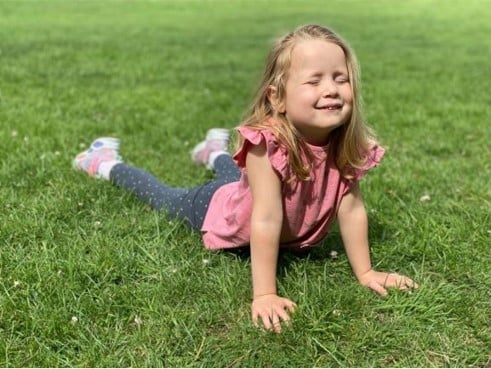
(353,224)
(266,223)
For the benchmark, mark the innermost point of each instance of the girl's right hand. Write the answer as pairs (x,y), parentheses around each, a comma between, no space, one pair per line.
(272,310)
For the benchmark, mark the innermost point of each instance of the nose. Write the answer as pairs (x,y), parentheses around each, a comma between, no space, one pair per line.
(329,88)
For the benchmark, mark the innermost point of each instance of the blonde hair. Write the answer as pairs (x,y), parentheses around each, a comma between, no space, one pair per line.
(349,143)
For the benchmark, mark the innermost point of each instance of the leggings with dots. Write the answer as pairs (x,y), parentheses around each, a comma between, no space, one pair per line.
(187,204)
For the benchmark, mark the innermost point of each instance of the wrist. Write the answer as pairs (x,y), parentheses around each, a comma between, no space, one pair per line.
(360,275)
(259,295)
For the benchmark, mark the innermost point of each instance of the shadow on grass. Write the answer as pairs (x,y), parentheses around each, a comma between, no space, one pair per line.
(322,252)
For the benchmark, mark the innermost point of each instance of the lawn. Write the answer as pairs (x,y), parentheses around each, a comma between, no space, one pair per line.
(91,277)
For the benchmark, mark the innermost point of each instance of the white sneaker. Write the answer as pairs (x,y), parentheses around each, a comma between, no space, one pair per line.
(101,150)
(216,140)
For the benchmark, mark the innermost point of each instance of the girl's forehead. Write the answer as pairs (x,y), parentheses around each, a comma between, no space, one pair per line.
(317,53)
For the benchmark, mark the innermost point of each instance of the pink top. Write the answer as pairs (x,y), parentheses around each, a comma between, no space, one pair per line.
(310,207)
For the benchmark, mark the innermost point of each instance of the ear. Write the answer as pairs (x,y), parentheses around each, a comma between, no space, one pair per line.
(274,99)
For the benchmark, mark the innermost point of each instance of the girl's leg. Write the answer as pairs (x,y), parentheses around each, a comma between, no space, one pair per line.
(187,204)
(226,168)
(195,203)
(147,188)
(102,160)
(212,153)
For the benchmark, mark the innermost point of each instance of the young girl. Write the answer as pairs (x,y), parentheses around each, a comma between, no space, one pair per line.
(303,148)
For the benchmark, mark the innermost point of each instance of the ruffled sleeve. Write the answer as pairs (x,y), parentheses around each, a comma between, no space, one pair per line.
(276,153)
(373,159)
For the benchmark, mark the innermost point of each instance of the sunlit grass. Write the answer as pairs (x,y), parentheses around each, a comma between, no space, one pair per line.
(91,277)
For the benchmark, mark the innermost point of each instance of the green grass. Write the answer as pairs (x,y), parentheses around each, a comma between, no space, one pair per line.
(91,277)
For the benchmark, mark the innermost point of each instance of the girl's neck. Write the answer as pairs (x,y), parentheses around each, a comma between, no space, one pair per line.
(317,143)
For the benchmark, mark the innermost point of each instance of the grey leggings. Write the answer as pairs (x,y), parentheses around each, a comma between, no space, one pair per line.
(187,204)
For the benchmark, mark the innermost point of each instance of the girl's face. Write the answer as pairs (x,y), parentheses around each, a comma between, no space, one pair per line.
(318,90)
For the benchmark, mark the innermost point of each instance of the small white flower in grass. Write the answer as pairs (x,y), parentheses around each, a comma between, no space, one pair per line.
(425,198)
(26,139)
(74,320)
(336,312)
(97,224)
(57,153)
(206,261)
(16,284)
(333,254)
(138,321)
(14,133)
(82,145)
(174,270)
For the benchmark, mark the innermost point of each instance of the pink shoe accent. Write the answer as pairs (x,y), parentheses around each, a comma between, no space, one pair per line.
(101,150)
(216,140)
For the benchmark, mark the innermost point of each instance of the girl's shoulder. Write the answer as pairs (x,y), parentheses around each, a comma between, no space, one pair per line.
(255,134)
(252,136)
(372,159)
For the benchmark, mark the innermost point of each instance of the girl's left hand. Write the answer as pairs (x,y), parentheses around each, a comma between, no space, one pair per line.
(379,281)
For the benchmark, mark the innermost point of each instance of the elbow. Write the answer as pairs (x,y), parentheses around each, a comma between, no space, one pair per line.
(266,222)
(355,216)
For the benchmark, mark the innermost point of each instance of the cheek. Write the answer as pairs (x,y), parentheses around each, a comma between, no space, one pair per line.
(299,98)
(348,95)
(305,96)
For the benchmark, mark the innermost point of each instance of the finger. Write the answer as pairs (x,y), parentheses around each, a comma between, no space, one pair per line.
(377,288)
(398,281)
(401,283)
(386,279)
(254,319)
(290,305)
(410,283)
(267,322)
(272,322)
(283,315)
(276,324)
(394,280)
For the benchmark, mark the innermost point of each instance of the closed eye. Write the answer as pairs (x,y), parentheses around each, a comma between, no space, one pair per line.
(313,82)
(341,78)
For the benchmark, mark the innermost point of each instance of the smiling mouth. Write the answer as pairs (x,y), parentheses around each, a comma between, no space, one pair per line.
(331,107)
